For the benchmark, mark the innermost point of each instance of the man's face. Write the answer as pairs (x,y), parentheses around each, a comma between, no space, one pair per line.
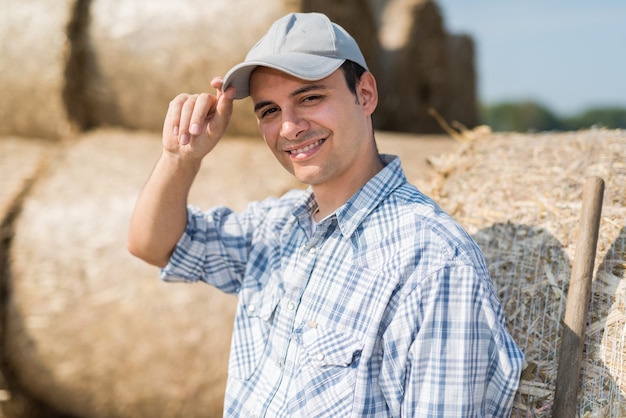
(316,129)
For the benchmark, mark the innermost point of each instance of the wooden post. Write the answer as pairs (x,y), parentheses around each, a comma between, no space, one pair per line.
(578,298)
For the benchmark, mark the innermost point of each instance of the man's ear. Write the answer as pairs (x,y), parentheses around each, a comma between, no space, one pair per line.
(368,92)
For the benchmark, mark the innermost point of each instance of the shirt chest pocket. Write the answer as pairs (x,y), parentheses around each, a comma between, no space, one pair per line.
(327,374)
(254,321)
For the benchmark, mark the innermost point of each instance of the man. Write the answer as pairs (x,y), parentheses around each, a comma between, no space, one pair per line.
(358,296)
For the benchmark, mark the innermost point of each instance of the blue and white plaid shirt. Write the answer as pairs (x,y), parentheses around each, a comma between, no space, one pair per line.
(386,309)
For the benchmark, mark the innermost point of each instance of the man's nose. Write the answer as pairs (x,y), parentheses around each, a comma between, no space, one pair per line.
(292,125)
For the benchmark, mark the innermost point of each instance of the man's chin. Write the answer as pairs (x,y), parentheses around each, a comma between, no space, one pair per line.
(310,176)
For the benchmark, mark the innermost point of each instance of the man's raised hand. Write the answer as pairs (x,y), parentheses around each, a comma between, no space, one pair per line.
(195,123)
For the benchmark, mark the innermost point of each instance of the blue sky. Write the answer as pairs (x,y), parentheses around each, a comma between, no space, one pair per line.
(567,55)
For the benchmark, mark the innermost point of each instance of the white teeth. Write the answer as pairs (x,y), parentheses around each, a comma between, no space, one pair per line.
(305,149)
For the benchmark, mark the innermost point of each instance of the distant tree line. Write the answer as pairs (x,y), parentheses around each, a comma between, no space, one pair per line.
(529,116)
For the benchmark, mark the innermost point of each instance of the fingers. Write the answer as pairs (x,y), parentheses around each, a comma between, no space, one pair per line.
(195,115)
(192,116)
(218,84)
(186,115)
(223,110)
(172,119)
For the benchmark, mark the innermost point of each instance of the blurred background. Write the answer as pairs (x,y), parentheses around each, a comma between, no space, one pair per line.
(545,65)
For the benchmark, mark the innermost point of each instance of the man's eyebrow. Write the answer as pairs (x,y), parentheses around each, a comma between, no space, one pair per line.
(308,88)
(261,105)
(301,90)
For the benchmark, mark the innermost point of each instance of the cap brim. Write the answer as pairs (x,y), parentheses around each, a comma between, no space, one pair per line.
(300,65)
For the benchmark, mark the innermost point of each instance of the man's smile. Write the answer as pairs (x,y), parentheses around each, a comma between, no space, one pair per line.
(306,150)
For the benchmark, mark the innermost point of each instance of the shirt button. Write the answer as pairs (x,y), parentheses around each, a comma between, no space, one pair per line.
(291,306)
(320,357)
(251,308)
(313,250)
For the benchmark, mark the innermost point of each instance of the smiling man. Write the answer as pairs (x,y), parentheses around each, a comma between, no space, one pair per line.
(358,296)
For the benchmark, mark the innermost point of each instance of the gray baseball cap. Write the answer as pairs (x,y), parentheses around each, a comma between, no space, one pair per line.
(305,45)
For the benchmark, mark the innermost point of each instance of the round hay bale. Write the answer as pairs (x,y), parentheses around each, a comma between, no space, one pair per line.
(415,66)
(145,53)
(92,331)
(34,51)
(461,103)
(20,161)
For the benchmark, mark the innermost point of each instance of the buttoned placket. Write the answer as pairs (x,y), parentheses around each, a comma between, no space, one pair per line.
(295,282)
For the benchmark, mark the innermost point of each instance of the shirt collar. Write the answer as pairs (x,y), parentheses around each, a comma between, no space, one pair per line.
(350,215)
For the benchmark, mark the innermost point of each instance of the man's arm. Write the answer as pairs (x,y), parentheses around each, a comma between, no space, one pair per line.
(450,354)
(462,362)
(194,124)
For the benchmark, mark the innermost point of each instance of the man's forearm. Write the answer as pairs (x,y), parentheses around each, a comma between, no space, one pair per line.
(160,214)
(193,125)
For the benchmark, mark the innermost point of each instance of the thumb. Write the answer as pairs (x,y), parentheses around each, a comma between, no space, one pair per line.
(223,113)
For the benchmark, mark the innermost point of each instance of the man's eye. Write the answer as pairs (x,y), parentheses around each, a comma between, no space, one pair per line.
(312,98)
(268,111)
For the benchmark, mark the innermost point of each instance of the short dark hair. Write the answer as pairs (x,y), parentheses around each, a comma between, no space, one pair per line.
(352,73)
